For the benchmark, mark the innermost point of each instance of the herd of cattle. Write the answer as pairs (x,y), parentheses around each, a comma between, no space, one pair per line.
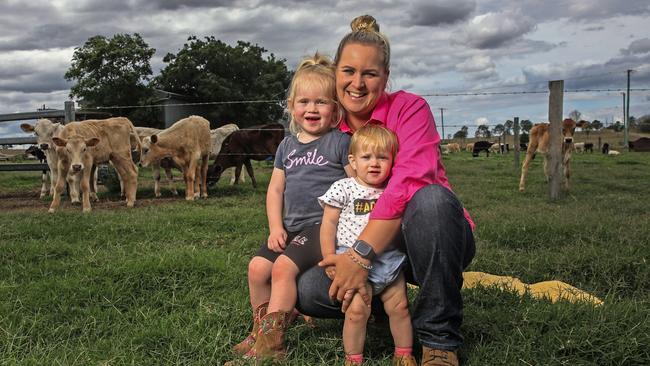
(539,141)
(74,151)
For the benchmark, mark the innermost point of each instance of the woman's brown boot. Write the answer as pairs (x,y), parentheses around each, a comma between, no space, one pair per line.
(269,342)
(244,346)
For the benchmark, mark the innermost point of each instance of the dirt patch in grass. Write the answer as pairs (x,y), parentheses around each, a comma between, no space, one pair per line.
(30,201)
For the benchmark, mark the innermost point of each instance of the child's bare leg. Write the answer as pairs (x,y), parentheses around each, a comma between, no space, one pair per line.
(284,292)
(397,308)
(354,327)
(259,281)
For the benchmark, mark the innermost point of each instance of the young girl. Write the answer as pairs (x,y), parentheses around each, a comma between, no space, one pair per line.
(348,204)
(306,164)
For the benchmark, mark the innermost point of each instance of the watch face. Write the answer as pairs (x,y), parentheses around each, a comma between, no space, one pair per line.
(364,250)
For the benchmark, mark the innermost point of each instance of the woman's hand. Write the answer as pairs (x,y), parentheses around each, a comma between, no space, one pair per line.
(277,240)
(349,277)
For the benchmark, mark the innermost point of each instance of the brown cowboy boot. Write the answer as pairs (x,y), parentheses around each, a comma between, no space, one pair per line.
(269,343)
(438,357)
(404,361)
(244,346)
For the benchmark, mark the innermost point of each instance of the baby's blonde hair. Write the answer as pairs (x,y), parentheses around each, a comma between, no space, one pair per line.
(317,70)
(374,137)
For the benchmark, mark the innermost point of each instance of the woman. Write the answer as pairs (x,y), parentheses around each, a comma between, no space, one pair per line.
(417,209)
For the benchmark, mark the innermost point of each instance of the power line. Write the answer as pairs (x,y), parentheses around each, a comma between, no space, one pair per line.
(269,101)
(528,92)
(455,94)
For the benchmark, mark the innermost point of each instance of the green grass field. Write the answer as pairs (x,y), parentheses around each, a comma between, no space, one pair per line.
(166,283)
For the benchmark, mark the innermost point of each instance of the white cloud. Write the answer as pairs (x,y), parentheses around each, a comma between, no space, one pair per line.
(493,30)
(482,121)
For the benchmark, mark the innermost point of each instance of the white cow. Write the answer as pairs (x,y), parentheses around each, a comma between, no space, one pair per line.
(45,130)
(579,147)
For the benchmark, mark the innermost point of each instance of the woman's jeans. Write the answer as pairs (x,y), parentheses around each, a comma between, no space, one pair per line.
(439,244)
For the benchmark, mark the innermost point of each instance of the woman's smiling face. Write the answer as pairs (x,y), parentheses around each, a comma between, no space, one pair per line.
(360,81)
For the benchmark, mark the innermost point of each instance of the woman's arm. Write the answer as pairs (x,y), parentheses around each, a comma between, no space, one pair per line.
(274,203)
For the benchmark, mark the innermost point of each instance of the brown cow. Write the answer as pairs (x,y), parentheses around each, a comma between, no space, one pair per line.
(186,142)
(256,142)
(81,145)
(540,141)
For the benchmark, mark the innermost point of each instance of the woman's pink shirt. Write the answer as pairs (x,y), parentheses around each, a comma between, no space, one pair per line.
(418,161)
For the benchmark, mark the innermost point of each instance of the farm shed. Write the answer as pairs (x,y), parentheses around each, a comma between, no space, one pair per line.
(173,107)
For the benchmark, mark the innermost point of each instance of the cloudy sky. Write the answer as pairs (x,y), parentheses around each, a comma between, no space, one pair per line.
(439,47)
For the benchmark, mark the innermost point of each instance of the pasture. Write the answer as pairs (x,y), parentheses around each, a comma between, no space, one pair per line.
(165,282)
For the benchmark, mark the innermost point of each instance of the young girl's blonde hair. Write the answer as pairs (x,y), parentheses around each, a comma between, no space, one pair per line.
(374,137)
(314,71)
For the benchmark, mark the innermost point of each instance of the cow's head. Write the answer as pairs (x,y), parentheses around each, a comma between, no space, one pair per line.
(569,128)
(75,151)
(36,152)
(151,150)
(44,130)
(214,174)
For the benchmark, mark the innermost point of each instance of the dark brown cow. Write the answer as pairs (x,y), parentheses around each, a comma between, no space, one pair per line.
(256,143)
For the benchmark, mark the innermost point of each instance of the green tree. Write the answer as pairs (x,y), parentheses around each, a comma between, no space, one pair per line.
(617,127)
(524,138)
(526,125)
(483,131)
(212,71)
(643,123)
(587,127)
(462,133)
(498,130)
(596,125)
(508,127)
(575,115)
(113,72)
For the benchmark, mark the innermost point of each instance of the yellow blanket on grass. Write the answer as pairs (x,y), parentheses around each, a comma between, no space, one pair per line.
(552,290)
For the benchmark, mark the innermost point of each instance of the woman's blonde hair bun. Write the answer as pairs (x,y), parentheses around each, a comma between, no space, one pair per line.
(364,23)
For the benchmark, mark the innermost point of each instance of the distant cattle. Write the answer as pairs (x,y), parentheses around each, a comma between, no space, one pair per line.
(469,147)
(641,144)
(451,148)
(523,146)
(495,148)
(481,146)
(82,145)
(187,142)
(605,148)
(45,176)
(579,147)
(256,143)
(589,147)
(540,140)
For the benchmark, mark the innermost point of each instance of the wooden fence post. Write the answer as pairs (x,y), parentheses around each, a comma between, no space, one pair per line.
(555,110)
(515,141)
(68,107)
